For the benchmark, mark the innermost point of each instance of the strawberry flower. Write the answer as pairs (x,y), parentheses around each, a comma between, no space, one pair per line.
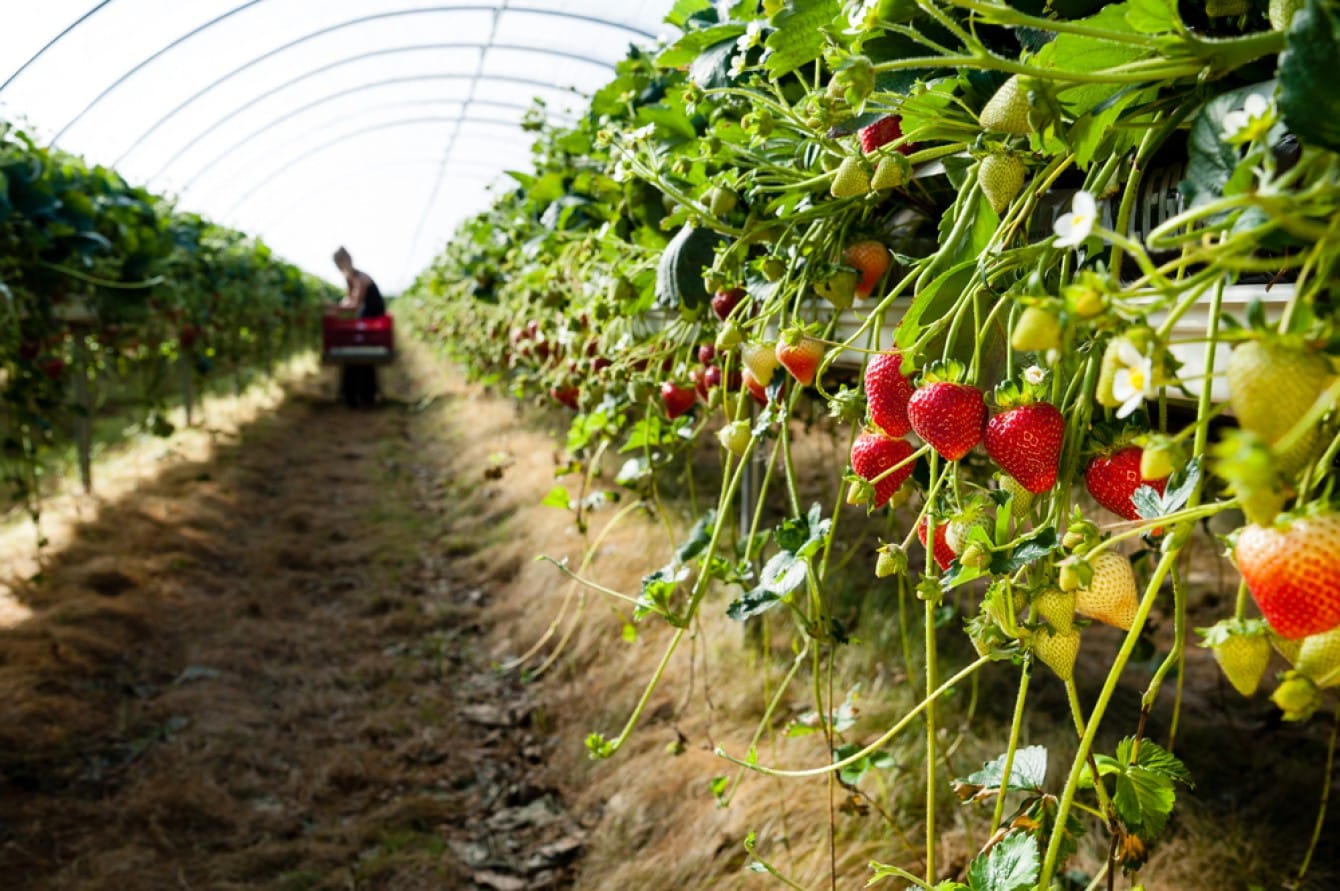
(1250,122)
(1133,379)
(751,37)
(1072,228)
(1035,375)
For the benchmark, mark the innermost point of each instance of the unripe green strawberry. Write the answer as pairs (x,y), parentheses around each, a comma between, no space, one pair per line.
(1319,658)
(839,288)
(1243,460)
(1111,595)
(1056,608)
(891,560)
(1297,696)
(735,437)
(851,180)
(973,516)
(728,338)
(1282,12)
(1036,331)
(1023,499)
(761,360)
(1160,458)
(1001,176)
(1058,651)
(890,173)
(1007,110)
(722,201)
(1242,649)
(1271,386)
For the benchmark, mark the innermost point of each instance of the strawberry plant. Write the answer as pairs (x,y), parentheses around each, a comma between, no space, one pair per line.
(1114,218)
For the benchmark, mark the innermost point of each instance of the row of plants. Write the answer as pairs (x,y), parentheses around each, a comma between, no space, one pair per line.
(109,291)
(1061,272)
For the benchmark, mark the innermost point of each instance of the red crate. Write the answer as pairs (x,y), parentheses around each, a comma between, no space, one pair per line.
(347,341)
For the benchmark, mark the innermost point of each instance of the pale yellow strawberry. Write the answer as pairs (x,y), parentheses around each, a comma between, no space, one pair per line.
(1111,595)
(1056,608)
(1058,651)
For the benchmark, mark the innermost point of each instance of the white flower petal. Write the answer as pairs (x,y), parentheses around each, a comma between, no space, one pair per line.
(1122,388)
(1084,204)
(1130,405)
(1129,355)
(1256,105)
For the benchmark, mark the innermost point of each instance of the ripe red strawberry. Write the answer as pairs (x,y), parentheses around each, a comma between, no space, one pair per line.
(944,554)
(887,392)
(871,259)
(948,416)
(1293,572)
(698,378)
(801,358)
(725,301)
(881,132)
(677,399)
(1026,443)
(707,353)
(1112,479)
(874,453)
(756,389)
(566,396)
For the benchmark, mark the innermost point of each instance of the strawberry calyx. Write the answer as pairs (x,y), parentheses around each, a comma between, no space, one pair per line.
(1297,696)
(946,371)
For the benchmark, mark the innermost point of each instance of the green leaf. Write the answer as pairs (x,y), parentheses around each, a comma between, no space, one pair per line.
(558,497)
(1153,16)
(669,122)
(1074,52)
(1027,774)
(1011,865)
(1153,757)
(753,603)
(783,573)
(711,70)
(1143,801)
(691,45)
(683,10)
(1308,99)
(699,537)
(1212,162)
(799,38)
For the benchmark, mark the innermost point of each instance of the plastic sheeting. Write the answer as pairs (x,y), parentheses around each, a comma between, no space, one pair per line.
(377,124)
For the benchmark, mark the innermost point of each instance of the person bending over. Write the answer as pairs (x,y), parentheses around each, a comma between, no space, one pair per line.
(362,294)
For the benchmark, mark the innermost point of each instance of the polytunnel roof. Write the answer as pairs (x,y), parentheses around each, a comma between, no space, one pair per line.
(376,124)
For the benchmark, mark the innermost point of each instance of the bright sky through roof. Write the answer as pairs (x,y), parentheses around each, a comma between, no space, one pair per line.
(376,124)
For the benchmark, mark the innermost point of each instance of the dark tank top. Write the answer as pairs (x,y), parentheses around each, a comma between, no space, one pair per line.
(373,305)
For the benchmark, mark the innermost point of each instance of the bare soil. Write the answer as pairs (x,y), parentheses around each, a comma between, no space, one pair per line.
(283,663)
(257,672)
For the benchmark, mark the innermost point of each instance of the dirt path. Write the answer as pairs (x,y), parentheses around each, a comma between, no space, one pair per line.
(255,673)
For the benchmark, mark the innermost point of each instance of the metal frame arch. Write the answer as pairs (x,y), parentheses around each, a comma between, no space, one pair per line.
(496,9)
(354,134)
(329,66)
(139,66)
(14,75)
(210,165)
(401,164)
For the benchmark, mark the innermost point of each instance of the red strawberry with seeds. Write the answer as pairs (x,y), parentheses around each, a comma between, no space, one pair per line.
(566,396)
(756,389)
(944,554)
(871,259)
(707,353)
(725,301)
(698,378)
(801,358)
(887,392)
(1293,572)
(948,416)
(1113,477)
(882,132)
(1026,442)
(677,399)
(872,454)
